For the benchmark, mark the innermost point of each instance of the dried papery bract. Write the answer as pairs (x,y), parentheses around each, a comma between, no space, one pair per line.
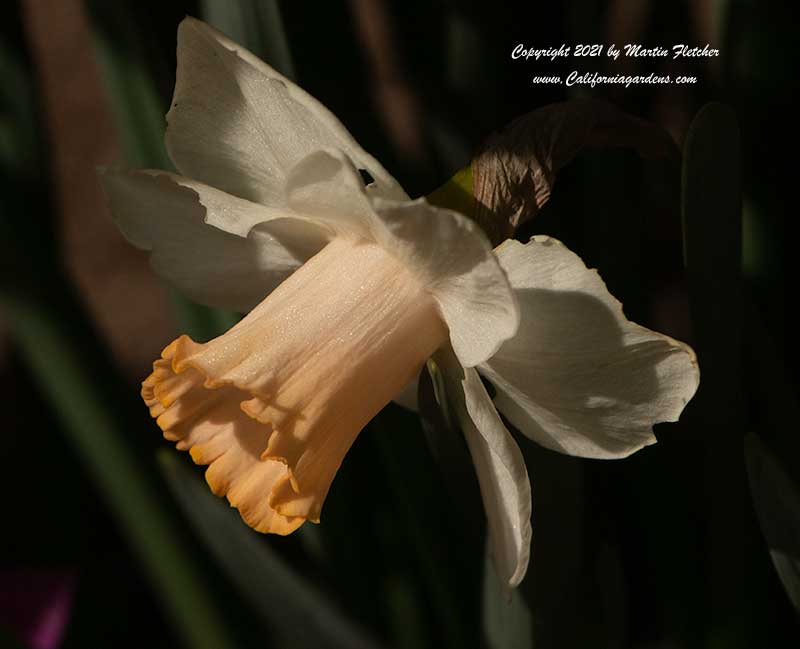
(514,172)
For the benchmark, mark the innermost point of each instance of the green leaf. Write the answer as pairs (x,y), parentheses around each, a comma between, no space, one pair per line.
(255,24)
(283,599)
(443,548)
(788,568)
(9,640)
(449,448)
(136,103)
(18,144)
(79,392)
(139,110)
(508,623)
(55,338)
(712,230)
(200,322)
(456,194)
(777,503)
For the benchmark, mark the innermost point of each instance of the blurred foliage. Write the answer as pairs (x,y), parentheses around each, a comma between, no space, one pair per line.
(290,607)
(663,549)
(777,502)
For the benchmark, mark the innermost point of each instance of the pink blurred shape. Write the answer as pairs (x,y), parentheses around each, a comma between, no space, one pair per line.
(35,604)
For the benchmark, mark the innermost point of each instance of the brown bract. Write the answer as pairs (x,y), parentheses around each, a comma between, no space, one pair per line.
(123,297)
(514,171)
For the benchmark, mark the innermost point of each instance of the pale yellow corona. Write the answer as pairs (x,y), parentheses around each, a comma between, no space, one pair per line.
(273,405)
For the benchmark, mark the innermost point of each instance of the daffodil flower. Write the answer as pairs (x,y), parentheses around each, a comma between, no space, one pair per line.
(349,287)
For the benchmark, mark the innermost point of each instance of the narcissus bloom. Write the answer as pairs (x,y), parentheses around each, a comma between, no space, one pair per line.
(349,286)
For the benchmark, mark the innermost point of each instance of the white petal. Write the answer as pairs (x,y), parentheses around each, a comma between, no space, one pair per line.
(502,476)
(326,187)
(448,251)
(580,378)
(218,249)
(237,124)
(460,269)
